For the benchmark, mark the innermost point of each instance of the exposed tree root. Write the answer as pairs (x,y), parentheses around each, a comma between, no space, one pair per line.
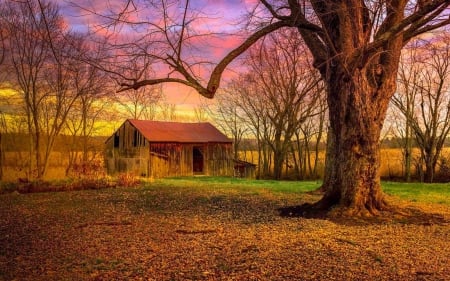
(387,213)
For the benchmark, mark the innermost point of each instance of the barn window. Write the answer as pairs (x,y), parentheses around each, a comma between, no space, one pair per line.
(197,160)
(116,140)
(135,138)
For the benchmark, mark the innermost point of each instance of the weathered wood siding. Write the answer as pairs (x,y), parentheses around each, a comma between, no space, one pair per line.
(128,151)
(174,159)
(218,161)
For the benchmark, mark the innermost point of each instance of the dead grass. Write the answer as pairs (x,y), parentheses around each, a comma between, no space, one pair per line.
(220,232)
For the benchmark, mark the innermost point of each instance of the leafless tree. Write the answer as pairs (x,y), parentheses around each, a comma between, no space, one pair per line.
(229,117)
(91,87)
(288,87)
(42,63)
(26,32)
(425,100)
(136,104)
(307,142)
(406,98)
(253,116)
(356,47)
(277,95)
(168,111)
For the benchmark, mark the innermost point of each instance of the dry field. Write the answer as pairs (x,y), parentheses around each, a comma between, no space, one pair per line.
(16,163)
(207,230)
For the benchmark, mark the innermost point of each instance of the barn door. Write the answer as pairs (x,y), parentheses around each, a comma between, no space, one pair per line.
(198,160)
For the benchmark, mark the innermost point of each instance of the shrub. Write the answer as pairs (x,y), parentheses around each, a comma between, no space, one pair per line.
(90,175)
(443,173)
(127,180)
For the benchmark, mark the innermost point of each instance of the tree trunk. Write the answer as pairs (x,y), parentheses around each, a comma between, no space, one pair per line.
(352,180)
(2,157)
(430,164)
(408,141)
(278,157)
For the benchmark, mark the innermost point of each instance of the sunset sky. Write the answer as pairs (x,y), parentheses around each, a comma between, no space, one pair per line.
(221,16)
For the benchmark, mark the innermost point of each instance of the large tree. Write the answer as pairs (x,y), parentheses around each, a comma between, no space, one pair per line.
(356,47)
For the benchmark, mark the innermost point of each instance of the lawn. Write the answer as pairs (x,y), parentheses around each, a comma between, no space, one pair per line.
(218,229)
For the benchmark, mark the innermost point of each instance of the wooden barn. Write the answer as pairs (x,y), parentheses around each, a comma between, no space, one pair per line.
(164,149)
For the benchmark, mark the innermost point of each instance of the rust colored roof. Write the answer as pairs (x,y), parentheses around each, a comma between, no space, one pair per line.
(158,131)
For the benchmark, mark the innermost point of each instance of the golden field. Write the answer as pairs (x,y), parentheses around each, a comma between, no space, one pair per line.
(16,163)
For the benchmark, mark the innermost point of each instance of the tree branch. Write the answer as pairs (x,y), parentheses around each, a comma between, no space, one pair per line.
(214,81)
(216,74)
(410,23)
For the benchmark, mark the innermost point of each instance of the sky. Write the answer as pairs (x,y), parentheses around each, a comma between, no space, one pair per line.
(221,16)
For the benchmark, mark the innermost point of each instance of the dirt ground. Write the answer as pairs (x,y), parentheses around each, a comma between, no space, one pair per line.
(180,234)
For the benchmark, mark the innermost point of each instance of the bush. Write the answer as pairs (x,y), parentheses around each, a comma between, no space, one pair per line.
(89,170)
(443,173)
(127,180)
(90,175)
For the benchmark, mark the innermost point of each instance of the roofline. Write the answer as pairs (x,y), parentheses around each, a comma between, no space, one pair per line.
(131,123)
(190,142)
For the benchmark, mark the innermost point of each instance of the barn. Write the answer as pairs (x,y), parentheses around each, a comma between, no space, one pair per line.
(165,149)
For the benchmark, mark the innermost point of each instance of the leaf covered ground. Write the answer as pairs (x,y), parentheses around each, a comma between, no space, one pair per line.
(182,231)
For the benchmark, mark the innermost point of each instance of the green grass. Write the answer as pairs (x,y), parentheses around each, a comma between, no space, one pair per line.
(415,192)
(419,192)
(245,185)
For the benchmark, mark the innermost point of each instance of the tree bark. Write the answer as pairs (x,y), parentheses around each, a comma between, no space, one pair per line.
(356,118)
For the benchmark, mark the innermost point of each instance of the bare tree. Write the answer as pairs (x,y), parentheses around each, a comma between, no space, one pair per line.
(307,142)
(356,47)
(406,98)
(3,42)
(91,86)
(229,116)
(137,103)
(168,111)
(425,101)
(250,110)
(28,59)
(42,63)
(287,85)
(277,94)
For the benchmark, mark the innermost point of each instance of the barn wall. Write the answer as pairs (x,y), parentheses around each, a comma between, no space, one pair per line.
(127,152)
(166,159)
(174,159)
(218,160)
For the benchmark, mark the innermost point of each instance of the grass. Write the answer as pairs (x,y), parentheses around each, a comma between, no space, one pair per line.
(419,192)
(415,192)
(245,185)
